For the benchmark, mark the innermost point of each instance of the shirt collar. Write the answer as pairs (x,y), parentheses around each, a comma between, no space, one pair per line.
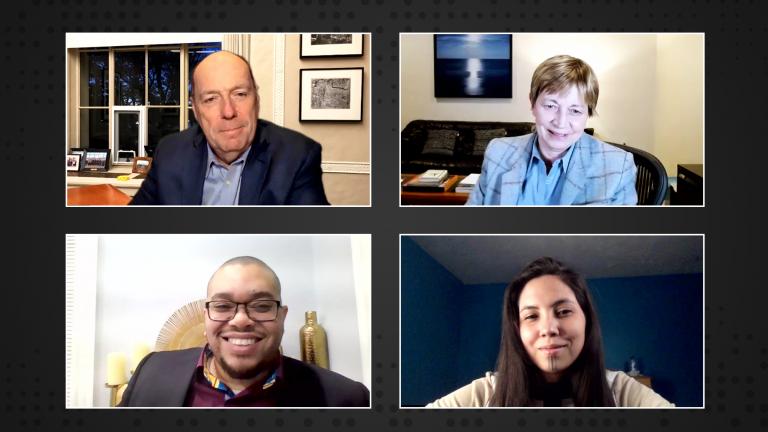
(202,366)
(565,160)
(213,159)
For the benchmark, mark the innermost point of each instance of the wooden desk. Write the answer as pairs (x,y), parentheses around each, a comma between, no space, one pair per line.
(431,198)
(100,194)
(129,187)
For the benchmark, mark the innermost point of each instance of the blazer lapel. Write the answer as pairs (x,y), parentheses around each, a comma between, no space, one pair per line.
(512,180)
(254,174)
(575,176)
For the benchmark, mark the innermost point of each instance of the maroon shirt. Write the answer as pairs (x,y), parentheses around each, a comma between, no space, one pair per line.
(202,393)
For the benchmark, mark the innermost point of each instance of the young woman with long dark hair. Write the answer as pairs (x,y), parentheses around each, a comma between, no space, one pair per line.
(551,351)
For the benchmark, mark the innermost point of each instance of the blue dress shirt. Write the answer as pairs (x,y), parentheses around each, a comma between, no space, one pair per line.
(541,187)
(222,182)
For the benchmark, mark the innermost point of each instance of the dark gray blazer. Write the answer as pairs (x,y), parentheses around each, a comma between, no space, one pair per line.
(163,378)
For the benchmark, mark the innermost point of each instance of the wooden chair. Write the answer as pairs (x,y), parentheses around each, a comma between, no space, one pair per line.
(101,194)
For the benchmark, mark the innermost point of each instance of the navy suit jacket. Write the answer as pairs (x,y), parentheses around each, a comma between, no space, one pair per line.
(282,168)
(163,378)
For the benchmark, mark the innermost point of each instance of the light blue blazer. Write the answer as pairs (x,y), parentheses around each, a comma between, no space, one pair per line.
(599,173)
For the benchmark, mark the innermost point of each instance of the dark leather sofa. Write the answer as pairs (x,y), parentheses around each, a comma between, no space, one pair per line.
(457,146)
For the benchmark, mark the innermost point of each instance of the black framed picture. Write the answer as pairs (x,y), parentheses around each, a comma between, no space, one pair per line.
(331,94)
(80,152)
(331,45)
(473,65)
(96,160)
(73,162)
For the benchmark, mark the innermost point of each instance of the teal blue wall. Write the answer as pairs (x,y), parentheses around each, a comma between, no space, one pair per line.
(450,332)
(430,329)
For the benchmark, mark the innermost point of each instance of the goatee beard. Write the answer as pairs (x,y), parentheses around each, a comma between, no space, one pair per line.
(237,373)
(245,374)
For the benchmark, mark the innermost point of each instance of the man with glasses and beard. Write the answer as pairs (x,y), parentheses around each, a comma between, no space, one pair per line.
(241,365)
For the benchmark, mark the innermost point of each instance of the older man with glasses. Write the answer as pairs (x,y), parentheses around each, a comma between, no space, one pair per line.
(241,365)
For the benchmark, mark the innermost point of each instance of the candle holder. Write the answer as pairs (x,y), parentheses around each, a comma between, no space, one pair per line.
(113,389)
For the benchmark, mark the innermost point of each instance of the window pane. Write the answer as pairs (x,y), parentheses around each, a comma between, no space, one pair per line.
(94,128)
(129,78)
(196,55)
(164,77)
(94,79)
(127,136)
(162,122)
(191,120)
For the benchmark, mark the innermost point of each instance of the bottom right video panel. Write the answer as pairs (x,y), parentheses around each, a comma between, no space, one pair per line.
(538,321)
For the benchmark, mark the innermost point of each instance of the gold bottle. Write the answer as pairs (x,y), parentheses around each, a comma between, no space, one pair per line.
(314,343)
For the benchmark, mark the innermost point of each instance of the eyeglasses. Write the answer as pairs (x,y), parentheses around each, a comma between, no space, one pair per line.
(257,310)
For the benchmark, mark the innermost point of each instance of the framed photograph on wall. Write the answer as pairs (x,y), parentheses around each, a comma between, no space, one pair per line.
(331,45)
(73,162)
(96,160)
(473,65)
(331,94)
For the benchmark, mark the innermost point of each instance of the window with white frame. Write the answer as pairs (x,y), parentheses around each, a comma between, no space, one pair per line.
(128,98)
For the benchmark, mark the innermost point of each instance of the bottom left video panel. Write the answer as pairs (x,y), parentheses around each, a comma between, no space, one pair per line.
(218,321)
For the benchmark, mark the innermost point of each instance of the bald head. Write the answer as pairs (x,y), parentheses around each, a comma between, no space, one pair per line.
(219,61)
(246,263)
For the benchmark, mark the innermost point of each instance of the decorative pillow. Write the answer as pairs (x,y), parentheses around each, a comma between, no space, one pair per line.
(483,137)
(440,141)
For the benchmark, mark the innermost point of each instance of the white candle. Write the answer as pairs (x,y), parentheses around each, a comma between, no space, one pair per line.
(116,368)
(140,350)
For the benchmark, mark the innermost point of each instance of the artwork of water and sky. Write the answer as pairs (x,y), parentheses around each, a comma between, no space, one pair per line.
(473,65)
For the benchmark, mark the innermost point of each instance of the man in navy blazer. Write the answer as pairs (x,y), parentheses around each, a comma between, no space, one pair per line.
(232,157)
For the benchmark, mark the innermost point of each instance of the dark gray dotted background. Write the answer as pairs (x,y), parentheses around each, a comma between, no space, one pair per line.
(35,219)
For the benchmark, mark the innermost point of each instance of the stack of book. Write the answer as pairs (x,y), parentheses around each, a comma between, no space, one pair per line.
(467,183)
(431,177)
(431,181)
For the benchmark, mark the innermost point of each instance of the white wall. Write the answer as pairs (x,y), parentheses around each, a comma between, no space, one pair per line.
(636,73)
(143,279)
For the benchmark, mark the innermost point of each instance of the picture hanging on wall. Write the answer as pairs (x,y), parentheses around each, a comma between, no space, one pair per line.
(473,65)
(331,94)
(331,45)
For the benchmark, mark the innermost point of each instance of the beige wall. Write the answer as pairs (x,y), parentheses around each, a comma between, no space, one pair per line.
(680,100)
(342,142)
(262,58)
(639,75)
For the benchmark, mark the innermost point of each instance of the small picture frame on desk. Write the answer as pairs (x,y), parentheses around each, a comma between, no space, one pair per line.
(73,162)
(141,165)
(80,152)
(96,160)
